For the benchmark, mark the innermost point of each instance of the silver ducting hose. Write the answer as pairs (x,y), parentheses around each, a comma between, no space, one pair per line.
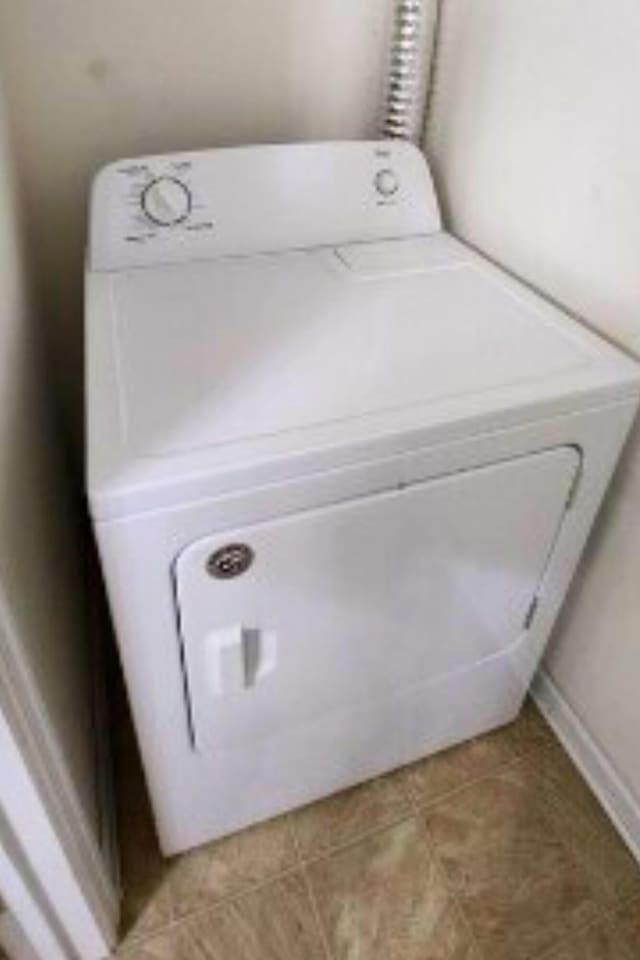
(407,77)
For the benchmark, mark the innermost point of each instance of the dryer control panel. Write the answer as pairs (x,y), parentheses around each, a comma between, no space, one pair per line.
(247,200)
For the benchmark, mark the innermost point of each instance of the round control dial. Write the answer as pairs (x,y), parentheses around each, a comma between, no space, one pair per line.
(166,201)
(386,182)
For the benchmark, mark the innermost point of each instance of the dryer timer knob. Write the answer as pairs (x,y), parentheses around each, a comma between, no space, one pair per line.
(386,182)
(166,201)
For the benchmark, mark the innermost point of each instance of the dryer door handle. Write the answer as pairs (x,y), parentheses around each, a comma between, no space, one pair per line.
(237,657)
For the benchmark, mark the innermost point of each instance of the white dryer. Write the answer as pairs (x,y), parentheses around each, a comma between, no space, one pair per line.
(341,469)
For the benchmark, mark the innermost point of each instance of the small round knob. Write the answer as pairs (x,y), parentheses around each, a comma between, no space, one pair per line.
(230,561)
(166,201)
(386,182)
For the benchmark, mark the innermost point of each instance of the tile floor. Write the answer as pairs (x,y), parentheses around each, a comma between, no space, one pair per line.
(494,850)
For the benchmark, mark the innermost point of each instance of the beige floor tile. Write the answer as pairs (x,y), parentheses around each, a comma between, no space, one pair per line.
(169,944)
(435,776)
(277,922)
(530,732)
(350,814)
(440,774)
(626,921)
(226,867)
(146,908)
(514,878)
(518,837)
(384,899)
(586,830)
(273,923)
(600,942)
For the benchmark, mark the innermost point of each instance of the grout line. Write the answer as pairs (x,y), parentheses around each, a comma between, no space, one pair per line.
(413,803)
(315,910)
(414,810)
(548,953)
(295,838)
(627,899)
(425,806)
(353,841)
(626,946)
(453,894)
(293,833)
(134,941)
(420,820)
(297,868)
(176,918)
(413,813)
(607,915)
(422,806)
(603,914)
(570,937)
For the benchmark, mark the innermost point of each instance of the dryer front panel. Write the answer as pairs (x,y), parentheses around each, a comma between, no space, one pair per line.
(289,621)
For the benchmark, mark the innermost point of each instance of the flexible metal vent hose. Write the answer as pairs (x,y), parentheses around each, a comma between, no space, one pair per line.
(407,79)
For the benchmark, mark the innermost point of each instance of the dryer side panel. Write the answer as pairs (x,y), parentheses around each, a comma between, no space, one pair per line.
(287,622)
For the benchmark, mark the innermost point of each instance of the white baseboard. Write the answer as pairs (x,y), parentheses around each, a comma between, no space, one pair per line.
(615,797)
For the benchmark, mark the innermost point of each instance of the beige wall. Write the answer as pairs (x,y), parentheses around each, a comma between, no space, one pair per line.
(536,146)
(89,81)
(42,620)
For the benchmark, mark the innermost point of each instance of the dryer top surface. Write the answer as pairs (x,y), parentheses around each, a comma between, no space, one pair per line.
(287,350)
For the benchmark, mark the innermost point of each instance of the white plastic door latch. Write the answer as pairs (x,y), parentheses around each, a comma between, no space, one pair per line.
(237,657)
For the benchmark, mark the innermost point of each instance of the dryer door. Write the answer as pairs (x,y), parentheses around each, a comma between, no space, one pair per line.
(290,620)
